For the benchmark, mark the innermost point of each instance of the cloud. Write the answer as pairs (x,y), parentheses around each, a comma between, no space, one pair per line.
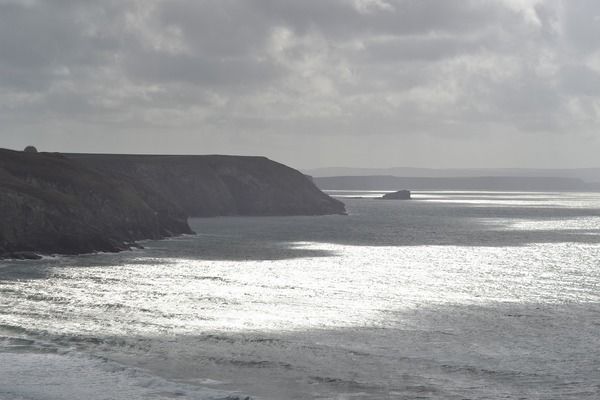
(231,76)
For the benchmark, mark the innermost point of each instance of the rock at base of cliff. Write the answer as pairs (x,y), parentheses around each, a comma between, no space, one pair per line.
(399,195)
(21,255)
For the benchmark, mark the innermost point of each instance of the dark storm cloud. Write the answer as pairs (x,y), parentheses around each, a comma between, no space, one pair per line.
(230,76)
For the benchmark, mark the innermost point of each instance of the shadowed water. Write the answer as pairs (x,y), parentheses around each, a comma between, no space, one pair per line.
(453,295)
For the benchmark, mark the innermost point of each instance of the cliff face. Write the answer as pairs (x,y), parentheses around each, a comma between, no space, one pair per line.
(219,185)
(51,204)
(79,203)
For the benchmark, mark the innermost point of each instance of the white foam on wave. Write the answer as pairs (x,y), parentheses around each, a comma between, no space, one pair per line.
(54,376)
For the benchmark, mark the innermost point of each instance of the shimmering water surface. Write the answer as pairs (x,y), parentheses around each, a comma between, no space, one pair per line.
(453,295)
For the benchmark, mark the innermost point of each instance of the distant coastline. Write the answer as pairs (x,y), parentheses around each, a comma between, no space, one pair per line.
(494,183)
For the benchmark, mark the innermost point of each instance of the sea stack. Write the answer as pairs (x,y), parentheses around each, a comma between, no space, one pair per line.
(399,195)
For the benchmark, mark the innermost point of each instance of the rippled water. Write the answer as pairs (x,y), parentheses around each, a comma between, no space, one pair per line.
(454,295)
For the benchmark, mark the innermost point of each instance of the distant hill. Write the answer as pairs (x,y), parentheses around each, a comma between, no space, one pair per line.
(585,174)
(500,183)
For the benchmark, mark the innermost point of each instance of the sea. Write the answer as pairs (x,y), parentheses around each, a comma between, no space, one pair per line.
(451,295)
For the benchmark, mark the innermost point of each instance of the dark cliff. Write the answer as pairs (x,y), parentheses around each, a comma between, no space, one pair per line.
(78,203)
(216,185)
(52,204)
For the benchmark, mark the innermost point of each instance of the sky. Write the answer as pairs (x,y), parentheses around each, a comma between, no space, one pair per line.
(310,83)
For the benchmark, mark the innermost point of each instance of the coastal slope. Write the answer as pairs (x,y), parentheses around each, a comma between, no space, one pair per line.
(217,185)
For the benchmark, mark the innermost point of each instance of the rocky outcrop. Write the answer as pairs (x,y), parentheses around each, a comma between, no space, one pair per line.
(217,185)
(399,195)
(52,204)
(79,203)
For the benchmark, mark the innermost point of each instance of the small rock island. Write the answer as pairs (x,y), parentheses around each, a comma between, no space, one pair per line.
(399,195)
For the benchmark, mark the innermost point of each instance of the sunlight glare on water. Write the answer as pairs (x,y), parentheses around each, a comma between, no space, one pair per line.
(444,299)
(357,287)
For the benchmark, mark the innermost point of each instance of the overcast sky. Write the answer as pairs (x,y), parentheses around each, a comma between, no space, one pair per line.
(311,83)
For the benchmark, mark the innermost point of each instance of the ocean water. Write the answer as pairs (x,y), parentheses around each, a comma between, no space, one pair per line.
(453,295)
